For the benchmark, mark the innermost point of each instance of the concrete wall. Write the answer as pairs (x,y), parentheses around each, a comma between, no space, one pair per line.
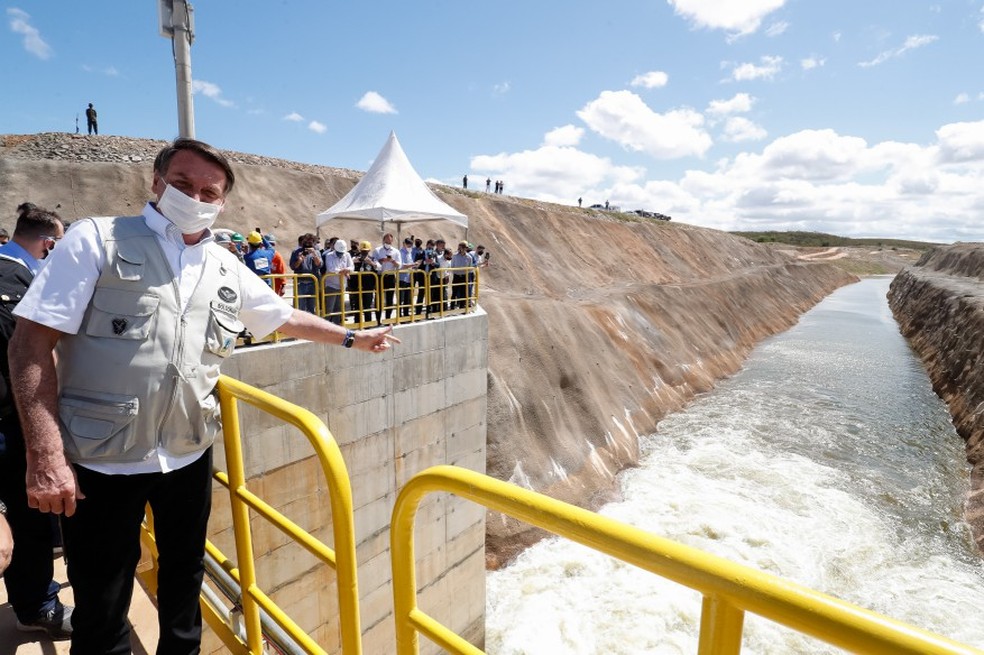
(421,403)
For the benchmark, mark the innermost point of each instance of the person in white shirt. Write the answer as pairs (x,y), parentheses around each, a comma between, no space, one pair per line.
(390,262)
(99,472)
(406,284)
(338,265)
(461,262)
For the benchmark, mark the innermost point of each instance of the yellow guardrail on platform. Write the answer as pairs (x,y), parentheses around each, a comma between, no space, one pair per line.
(367,299)
(729,590)
(342,559)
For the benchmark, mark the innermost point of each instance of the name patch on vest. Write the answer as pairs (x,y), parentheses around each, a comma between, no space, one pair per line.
(227,295)
(119,324)
(228,309)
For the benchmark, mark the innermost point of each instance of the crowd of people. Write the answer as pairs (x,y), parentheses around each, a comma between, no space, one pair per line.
(420,278)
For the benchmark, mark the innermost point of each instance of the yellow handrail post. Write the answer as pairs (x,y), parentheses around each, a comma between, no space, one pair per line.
(404,572)
(721,625)
(240,520)
(343,559)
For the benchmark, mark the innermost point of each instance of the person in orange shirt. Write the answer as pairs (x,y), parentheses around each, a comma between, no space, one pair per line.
(278,266)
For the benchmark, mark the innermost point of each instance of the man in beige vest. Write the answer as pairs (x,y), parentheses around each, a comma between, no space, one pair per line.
(114,360)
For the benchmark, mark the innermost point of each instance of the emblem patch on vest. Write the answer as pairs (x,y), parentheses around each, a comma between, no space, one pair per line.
(226,294)
(119,324)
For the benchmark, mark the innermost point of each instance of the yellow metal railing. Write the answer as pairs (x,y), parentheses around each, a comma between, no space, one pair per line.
(342,559)
(378,298)
(729,590)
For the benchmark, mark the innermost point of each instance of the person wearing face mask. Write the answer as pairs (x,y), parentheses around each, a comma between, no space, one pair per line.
(390,262)
(29,579)
(154,305)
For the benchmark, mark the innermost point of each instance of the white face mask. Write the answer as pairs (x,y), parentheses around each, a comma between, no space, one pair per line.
(187,214)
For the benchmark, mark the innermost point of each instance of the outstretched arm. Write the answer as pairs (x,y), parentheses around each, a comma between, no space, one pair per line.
(303,325)
(51,483)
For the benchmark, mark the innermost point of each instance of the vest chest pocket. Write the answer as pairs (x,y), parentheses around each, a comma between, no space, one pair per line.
(223,330)
(100,424)
(129,262)
(121,314)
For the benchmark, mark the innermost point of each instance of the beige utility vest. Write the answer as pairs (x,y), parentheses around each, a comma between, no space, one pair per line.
(139,374)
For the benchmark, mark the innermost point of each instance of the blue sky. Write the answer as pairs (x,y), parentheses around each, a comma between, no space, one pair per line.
(855,118)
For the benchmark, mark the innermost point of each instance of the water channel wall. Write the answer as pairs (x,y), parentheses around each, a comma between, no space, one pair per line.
(939,305)
(419,404)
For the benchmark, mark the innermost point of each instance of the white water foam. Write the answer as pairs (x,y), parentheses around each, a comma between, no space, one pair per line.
(854,489)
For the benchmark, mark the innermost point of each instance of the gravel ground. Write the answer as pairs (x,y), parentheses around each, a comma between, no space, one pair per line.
(64,146)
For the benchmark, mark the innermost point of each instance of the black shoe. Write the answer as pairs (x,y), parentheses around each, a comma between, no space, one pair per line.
(57,623)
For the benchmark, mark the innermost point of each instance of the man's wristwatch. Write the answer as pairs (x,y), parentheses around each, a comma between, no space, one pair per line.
(349,339)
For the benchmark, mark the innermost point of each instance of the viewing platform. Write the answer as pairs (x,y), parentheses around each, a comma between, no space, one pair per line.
(143,619)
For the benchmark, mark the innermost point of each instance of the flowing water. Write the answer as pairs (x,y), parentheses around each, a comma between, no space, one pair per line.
(827,460)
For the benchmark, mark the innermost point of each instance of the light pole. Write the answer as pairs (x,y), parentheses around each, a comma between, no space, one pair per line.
(176,18)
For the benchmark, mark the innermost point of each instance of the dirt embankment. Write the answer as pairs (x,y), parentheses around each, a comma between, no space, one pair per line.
(600,324)
(939,304)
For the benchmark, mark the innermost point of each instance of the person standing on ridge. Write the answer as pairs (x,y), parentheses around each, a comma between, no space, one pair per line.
(154,306)
(464,182)
(90,120)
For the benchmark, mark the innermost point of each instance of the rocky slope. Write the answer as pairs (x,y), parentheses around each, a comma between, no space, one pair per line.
(599,324)
(939,304)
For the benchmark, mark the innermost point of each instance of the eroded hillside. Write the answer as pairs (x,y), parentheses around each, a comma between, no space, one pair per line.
(939,304)
(599,326)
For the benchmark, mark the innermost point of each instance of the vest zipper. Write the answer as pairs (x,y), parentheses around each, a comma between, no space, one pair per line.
(176,362)
(128,407)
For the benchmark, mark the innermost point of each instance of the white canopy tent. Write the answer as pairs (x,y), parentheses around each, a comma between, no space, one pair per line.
(392,191)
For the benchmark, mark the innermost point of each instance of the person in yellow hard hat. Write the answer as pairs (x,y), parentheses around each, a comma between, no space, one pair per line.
(364,281)
(259,259)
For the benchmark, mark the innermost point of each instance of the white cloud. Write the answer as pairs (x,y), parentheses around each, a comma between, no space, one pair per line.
(211,91)
(738,18)
(961,142)
(501,88)
(740,103)
(294,117)
(771,65)
(981,23)
(623,117)
(374,103)
(777,28)
(109,71)
(739,128)
(317,127)
(555,174)
(814,180)
(651,80)
(812,62)
(567,135)
(911,43)
(961,99)
(33,42)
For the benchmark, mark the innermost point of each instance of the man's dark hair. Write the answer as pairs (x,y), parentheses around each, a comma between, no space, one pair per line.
(34,221)
(163,159)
